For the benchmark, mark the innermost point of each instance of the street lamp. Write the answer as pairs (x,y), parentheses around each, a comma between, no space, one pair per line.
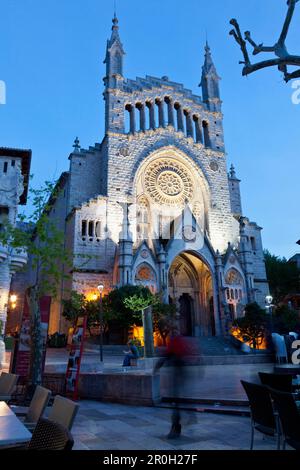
(13,301)
(269,300)
(100,289)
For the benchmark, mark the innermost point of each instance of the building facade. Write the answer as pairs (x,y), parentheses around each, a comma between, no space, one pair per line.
(153,204)
(14,176)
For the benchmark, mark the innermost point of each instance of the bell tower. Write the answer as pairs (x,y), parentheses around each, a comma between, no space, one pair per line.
(210,83)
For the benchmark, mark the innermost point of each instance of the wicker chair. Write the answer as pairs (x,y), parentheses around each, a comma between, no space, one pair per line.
(8,384)
(36,408)
(49,435)
(281,382)
(63,411)
(262,414)
(289,417)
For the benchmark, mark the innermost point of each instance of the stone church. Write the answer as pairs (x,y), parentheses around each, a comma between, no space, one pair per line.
(154,204)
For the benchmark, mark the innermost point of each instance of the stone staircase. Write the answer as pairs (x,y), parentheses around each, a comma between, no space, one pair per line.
(217,350)
(218,346)
(108,349)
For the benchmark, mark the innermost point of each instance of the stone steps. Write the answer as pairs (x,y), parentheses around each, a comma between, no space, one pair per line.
(209,405)
(216,350)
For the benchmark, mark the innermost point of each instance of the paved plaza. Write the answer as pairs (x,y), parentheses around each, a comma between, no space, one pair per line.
(105,426)
(110,426)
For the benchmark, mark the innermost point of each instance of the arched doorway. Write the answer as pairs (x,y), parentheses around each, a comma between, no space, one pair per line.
(186,315)
(191,288)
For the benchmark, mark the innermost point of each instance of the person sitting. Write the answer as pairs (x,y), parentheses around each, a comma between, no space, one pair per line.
(131,354)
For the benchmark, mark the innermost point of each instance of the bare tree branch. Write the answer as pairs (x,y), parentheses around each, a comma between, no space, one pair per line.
(283,60)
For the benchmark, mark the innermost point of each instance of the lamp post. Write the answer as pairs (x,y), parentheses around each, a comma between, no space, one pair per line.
(269,300)
(100,289)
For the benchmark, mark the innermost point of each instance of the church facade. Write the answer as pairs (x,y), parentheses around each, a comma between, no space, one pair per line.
(154,204)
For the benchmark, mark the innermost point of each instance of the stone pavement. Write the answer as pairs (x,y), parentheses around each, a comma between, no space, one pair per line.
(104,426)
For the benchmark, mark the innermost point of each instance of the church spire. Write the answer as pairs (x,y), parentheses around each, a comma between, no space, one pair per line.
(232,173)
(114,53)
(210,82)
(209,66)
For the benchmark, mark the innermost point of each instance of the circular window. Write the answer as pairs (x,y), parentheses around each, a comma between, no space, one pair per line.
(168,182)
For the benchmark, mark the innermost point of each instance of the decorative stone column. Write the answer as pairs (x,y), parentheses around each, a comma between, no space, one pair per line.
(163,274)
(220,324)
(125,250)
(247,264)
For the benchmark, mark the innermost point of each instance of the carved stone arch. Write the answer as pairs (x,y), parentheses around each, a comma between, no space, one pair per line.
(234,277)
(146,276)
(192,278)
(236,295)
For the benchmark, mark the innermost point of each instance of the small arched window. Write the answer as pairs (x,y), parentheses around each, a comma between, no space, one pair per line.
(131,121)
(206,135)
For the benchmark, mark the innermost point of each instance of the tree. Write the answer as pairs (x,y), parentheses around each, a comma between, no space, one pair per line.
(44,243)
(73,307)
(121,311)
(283,58)
(77,305)
(283,276)
(285,320)
(164,319)
(140,303)
(253,326)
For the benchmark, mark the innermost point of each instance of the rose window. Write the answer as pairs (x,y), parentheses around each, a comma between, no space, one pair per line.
(170,183)
(167,181)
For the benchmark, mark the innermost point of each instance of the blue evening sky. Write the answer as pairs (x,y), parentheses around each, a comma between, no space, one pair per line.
(51,55)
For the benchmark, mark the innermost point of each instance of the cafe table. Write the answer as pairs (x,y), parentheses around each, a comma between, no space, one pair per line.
(12,431)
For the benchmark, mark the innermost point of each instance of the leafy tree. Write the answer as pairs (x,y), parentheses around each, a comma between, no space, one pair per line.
(285,320)
(125,304)
(253,326)
(73,307)
(164,319)
(139,303)
(283,276)
(77,305)
(44,243)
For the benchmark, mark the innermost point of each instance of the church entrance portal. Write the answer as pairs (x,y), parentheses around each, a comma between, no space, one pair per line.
(186,326)
(191,289)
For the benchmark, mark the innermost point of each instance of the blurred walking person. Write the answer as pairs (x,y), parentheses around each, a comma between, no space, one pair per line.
(175,358)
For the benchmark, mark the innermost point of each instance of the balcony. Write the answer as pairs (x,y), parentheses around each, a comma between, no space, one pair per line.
(18,258)
(3,253)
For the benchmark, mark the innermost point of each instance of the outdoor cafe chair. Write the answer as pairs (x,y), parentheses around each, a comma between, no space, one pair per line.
(8,384)
(262,414)
(49,435)
(36,408)
(63,411)
(281,382)
(289,418)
